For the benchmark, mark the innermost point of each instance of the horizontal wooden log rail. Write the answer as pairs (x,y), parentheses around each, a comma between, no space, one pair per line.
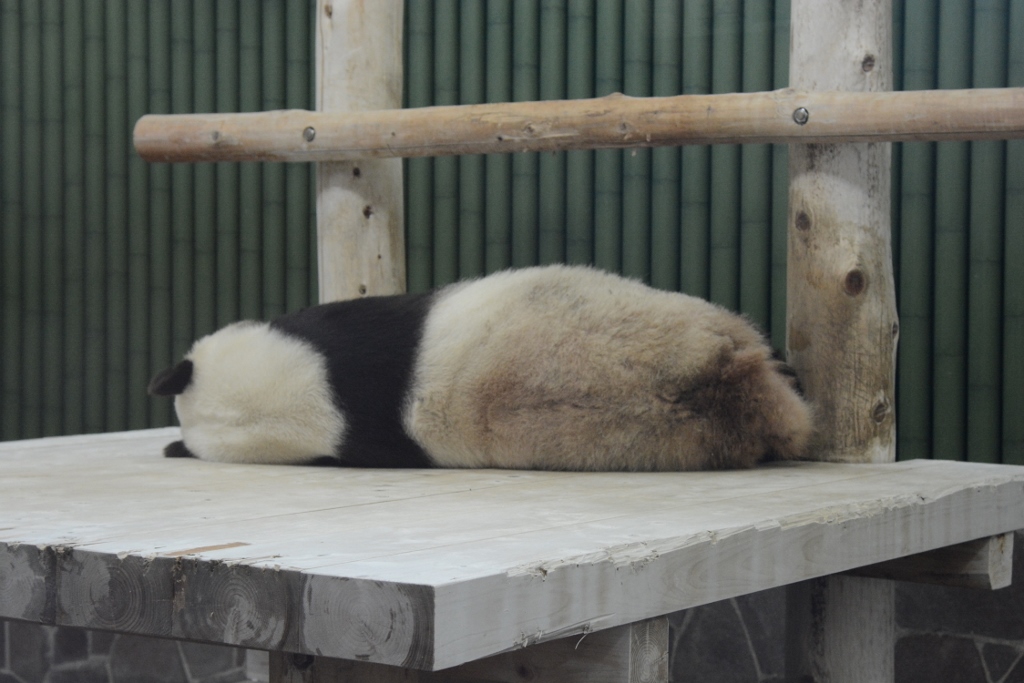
(613,121)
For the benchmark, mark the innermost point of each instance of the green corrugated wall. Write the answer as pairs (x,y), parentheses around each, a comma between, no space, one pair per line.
(111,267)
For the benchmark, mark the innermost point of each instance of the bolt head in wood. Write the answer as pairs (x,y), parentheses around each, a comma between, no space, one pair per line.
(309,134)
(801,115)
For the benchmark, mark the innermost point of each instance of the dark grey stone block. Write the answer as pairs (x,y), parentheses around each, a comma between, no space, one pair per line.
(1016,674)
(205,660)
(927,658)
(30,650)
(86,672)
(134,659)
(764,615)
(100,642)
(998,659)
(8,678)
(709,645)
(996,614)
(70,645)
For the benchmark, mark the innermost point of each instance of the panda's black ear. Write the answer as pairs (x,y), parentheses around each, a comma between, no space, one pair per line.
(172,381)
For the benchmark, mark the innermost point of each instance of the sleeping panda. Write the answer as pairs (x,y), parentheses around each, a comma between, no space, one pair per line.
(556,367)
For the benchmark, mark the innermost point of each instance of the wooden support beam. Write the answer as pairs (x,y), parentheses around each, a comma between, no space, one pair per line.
(840,629)
(634,653)
(986,563)
(841,321)
(359,213)
(605,122)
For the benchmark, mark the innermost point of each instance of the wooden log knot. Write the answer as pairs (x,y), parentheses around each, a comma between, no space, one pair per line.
(881,410)
(803,221)
(855,282)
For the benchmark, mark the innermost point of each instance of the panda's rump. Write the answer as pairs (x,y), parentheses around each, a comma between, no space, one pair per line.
(588,372)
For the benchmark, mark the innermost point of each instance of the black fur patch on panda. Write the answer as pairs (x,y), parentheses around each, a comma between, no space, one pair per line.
(172,381)
(787,371)
(177,449)
(324,461)
(370,345)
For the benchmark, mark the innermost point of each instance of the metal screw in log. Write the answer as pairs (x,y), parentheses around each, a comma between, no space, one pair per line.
(801,115)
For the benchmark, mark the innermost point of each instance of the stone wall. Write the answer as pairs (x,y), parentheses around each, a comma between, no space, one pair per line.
(953,635)
(46,654)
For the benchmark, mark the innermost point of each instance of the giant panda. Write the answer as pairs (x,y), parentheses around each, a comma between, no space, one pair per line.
(555,368)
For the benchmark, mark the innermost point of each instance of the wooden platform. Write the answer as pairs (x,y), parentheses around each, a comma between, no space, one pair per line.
(431,568)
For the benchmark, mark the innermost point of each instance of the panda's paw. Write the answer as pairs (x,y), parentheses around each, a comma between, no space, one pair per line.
(178,449)
(325,461)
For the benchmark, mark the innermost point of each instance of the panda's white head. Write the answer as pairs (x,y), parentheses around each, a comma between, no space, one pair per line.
(251,393)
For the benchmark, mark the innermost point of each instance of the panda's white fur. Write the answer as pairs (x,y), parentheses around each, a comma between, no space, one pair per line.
(258,395)
(574,368)
(552,367)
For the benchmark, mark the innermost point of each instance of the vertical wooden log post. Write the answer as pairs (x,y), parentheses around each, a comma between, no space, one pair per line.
(842,325)
(360,234)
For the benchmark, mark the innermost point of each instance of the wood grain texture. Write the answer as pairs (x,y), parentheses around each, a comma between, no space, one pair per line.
(840,628)
(27,585)
(371,620)
(360,233)
(431,569)
(986,563)
(247,606)
(613,121)
(842,326)
(635,653)
(130,594)
(841,299)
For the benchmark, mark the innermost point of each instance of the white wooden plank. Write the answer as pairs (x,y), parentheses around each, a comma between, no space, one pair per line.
(66,445)
(623,583)
(198,488)
(442,567)
(514,512)
(39,497)
(440,519)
